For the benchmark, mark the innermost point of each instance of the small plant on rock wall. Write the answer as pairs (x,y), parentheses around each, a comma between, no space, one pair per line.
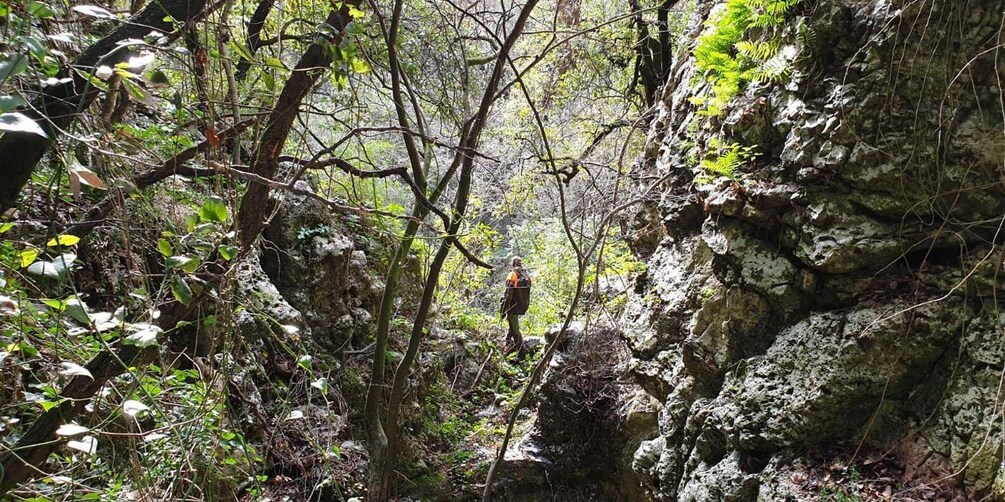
(739,45)
(729,56)
(724,158)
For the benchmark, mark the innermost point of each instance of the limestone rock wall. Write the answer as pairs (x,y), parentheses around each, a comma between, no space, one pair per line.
(843,288)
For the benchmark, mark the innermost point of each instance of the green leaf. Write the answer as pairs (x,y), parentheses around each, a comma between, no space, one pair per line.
(39,9)
(28,257)
(17,122)
(181,291)
(58,305)
(275,63)
(157,77)
(77,309)
(214,209)
(241,50)
(8,103)
(12,66)
(5,227)
(164,246)
(355,13)
(305,361)
(143,335)
(182,262)
(63,240)
(36,47)
(228,252)
(321,384)
(360,65)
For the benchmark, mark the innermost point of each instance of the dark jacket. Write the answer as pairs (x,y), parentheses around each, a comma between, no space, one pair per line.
(516,299)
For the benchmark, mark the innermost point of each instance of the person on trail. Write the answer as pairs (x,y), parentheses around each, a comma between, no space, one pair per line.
(515,301)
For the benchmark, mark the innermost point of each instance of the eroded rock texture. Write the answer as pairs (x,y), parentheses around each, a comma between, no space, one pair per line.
(843,289)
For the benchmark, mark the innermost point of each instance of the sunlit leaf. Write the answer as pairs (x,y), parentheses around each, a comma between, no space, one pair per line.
(28,257)
(71,429)
(39,9)
(229,252)
(93,11)
(44,269)
(18,122)
(63,240)
(214,209)
(78,310)
(182,262)
(142,335)
(165,248)
(321,384)
(8,103)
(12,66)
(87,444)
(74,369)
(133,408)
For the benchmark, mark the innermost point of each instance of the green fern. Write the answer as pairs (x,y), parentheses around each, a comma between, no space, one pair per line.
(729,60)
(757,51)
(725,158)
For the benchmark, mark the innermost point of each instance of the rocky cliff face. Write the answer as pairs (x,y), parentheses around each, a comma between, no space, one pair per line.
(838,298)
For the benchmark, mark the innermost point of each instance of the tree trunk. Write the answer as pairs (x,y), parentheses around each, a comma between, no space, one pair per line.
(314,63)
(61,104)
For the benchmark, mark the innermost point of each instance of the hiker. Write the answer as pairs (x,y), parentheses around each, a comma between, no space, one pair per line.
(514,304)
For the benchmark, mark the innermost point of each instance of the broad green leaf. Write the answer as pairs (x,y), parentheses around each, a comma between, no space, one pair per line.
(182,262)
(78,310)
(18,122)
(5,227)
(157,78)
(63,240)
(36,47)
(39,9)
(355,13)
(275,63)
(305,361)
(321,384)
(181,290)
(214,209)
(8,103)
(229,252)
(54,304)
(360,65)
(164,246)
(241,50)
(28,257)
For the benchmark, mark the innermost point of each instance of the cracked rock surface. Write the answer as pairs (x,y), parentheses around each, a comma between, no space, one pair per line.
(841,290)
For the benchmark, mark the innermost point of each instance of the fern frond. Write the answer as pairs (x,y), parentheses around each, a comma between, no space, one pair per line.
(758,51)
